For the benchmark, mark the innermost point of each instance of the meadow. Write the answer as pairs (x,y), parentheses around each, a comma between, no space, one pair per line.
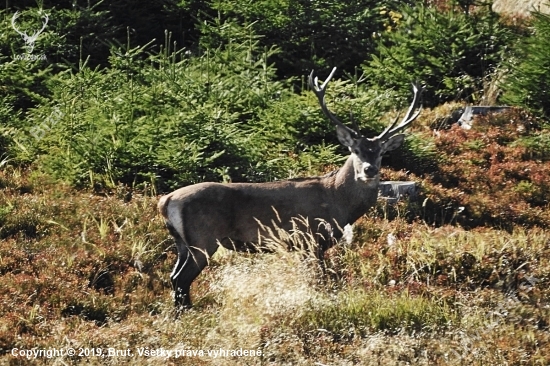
(89,271)
(121,103)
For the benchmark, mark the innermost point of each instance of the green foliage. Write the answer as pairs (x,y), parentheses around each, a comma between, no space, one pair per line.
(451,52)
(537,147)
(22,86)
(166,116)
(148,20)
(24,77)
(217,110)
(418,154)
(81,27)
(69,33)
(173,119)
(311,34)
(527,83)
(358,314)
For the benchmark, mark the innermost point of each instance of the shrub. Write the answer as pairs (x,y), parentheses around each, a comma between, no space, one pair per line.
(168,117)
(315,34)
(491,174)
(173,119)
(450,51)
(527,83)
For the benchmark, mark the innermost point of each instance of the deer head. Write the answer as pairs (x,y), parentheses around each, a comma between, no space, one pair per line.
(366,152)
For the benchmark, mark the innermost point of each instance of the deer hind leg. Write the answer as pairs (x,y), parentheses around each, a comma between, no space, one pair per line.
(190,263)
(181,294)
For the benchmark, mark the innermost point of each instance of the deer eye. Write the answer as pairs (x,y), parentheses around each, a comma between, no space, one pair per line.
(356,151)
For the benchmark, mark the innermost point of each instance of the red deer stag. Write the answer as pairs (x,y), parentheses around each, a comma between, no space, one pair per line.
(203,216)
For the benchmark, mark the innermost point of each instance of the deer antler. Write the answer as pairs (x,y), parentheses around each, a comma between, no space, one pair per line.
(320,93)
(409,117)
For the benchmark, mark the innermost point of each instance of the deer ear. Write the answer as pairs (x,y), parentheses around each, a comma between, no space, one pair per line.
(345,136)
(393,142)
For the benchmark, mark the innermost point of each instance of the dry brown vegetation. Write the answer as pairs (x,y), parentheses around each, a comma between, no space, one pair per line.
(81,269)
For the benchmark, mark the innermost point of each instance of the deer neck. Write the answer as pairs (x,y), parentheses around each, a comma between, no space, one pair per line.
(358,196)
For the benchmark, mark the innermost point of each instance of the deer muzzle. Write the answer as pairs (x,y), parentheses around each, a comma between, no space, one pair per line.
(369,172)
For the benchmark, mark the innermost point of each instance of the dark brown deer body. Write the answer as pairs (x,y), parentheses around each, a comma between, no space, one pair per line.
(203,216)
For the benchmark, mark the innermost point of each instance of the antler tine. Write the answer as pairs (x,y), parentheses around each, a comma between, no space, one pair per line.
(391,129)
(46,19)
(320,93)
(390,126)
(354,123)
(13,19)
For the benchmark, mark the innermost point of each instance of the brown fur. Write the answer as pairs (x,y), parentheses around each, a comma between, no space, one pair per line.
(203,216)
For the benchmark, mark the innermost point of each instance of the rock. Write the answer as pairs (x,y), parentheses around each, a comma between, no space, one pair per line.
(465,121)
(392,191)
(521,8)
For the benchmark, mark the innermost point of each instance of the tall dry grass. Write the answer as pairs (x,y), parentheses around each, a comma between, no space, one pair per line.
(89,271)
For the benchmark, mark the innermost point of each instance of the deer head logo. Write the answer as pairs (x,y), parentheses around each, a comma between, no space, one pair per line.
(29,39)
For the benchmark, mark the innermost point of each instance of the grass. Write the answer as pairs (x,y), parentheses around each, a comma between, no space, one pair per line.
(91,271)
